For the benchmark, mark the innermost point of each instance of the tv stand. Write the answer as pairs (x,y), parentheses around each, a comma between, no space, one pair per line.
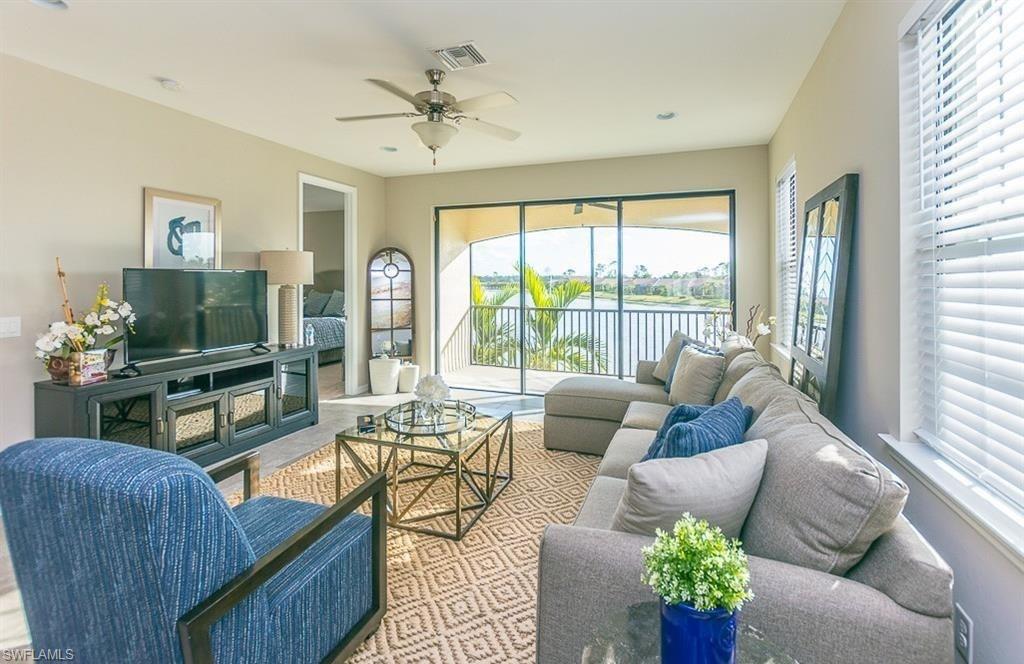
(205,408)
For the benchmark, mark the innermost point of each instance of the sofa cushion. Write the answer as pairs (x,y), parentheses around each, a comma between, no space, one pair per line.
(736,369)
(628,446)
(718,426)
(599,506)
(822,500)
(669,357)
(735,345)
(718,486)
(761,385)
(697,376)
(645,415)
(598,397)
(905,567)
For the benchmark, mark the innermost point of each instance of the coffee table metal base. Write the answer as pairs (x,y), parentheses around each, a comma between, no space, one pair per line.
(485,484)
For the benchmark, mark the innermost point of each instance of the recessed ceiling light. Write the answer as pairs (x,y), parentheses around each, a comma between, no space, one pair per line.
(388,148)
(50,4)
(168,84)
(667,115)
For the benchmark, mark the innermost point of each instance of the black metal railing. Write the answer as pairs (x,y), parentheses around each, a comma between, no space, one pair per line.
(570,340)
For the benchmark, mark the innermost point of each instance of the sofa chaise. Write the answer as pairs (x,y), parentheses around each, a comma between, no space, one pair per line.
(839,575)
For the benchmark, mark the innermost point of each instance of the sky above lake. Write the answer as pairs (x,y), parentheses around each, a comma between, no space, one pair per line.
(552,252)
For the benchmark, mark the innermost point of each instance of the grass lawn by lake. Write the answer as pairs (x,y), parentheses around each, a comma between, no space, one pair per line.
(712,303)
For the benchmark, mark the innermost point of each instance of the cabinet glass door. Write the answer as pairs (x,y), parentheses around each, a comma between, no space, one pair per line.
(128,417)
(250,411)
(296,389)
(197,427)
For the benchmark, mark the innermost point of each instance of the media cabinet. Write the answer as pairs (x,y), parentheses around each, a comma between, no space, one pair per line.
(203,408)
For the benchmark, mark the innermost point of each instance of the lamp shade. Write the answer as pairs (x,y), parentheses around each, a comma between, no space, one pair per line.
(435,135)
(287,267)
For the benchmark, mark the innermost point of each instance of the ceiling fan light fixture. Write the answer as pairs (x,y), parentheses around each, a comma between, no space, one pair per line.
(434,135)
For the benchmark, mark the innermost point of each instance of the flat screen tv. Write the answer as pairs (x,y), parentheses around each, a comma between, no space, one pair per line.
(185,312)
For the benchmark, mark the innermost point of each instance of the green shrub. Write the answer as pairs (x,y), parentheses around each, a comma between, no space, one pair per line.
(696,564)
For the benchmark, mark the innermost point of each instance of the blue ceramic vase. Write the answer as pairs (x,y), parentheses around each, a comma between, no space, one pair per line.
(689,636)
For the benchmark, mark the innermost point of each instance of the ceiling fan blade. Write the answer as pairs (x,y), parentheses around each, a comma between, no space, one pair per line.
(490,128)
(492,100)
(379,116)
(395,90)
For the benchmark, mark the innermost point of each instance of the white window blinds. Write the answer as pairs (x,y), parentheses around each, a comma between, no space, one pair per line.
(786,252)
(962,107)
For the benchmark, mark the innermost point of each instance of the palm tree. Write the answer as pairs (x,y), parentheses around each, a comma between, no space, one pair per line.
(494,343)
(547,347)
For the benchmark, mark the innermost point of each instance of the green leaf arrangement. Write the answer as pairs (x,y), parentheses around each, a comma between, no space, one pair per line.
(697,564)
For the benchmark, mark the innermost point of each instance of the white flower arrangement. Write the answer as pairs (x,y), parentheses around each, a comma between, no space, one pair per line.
(432,389)
(70,336)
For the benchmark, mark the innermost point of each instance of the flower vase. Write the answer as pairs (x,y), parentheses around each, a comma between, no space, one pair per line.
(87,367)
(689,636)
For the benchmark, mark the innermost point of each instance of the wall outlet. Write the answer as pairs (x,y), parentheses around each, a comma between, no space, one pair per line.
(963,634)
(10,326)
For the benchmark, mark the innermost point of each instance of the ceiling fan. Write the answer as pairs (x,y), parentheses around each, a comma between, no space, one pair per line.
(437,106)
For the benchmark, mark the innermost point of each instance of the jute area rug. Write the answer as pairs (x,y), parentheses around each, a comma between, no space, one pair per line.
(472,601)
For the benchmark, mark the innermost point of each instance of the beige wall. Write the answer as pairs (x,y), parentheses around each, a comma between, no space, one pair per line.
(845,119)
(411,200)
(74,158)
(323,233)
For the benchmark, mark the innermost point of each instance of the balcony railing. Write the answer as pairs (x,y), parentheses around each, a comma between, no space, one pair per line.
(585,341)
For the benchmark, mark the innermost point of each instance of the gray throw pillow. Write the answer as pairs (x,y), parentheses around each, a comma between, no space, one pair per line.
(717,486)
(696,378)
(670,356)
(335,306)
(315,303)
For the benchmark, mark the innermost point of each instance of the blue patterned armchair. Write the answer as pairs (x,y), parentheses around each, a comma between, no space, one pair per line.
(126,554)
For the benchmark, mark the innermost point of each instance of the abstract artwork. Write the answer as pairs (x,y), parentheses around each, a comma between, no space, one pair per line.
(181,230)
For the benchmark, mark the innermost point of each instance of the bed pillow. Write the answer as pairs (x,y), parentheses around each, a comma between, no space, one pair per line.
(720,426)
(335,306)
(315,303)
(684,412)
(697,376)
(718,486)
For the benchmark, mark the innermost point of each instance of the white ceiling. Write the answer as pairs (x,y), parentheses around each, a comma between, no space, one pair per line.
(589,77)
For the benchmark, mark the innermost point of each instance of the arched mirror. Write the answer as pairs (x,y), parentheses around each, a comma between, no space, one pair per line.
(821,291)
(391,311)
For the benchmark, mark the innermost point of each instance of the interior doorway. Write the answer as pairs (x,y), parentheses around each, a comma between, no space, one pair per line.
(329,309)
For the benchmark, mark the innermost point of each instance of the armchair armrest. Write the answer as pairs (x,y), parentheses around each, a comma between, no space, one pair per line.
(194,627)
(645,373)
(248,465)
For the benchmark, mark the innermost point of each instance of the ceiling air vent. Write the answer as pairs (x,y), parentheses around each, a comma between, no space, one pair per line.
(462,56)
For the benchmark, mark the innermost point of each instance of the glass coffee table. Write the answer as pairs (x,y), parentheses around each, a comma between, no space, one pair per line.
(633,636)
(441,478)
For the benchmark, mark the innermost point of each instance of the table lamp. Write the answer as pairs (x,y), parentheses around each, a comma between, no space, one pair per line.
(287,269)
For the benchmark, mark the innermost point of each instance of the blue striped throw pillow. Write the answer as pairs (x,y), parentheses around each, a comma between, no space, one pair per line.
(684,412)
(719,426)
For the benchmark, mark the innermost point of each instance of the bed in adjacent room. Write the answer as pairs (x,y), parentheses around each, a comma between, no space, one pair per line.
(326,313)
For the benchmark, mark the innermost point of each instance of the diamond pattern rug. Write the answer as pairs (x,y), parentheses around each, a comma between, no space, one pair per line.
(472,601)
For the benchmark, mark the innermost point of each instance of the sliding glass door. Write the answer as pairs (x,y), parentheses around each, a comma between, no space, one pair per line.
(530,293)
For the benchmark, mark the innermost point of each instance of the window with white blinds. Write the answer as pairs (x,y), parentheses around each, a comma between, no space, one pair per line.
(786,252)
(962,140)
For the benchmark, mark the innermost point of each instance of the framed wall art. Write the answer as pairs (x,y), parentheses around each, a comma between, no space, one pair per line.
(181,230)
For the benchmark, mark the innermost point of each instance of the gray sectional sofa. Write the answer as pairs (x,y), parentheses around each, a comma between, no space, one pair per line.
(839,575)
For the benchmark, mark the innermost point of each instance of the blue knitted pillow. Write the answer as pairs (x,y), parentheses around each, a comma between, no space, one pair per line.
(684,412)
(719,426)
